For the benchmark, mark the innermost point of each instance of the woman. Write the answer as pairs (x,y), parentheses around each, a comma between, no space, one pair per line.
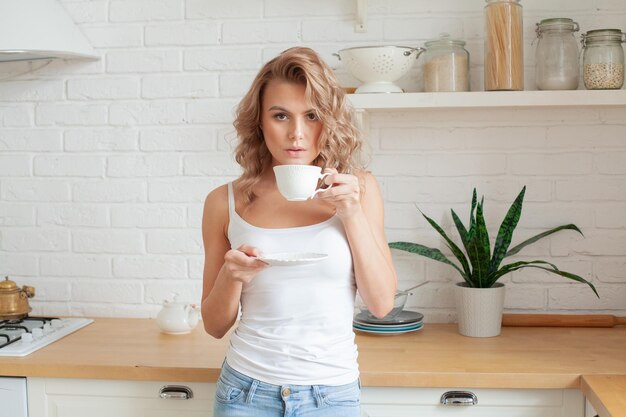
(293,351)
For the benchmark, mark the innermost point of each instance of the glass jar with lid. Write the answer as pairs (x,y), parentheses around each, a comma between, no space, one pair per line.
(603,59)
(504,45)
(556,66)
(446,65)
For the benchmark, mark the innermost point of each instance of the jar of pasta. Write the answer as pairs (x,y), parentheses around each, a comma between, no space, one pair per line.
(603,59)
(446,65)
(504,45)
(556,63)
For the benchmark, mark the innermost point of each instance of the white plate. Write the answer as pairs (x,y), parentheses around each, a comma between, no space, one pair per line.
(289,259)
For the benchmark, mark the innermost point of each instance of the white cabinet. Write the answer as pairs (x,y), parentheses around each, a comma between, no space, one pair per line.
(57,397)
(425,402)
(589,410)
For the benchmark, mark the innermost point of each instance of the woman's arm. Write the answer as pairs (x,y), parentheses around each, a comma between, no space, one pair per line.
(359,204)
(225,269)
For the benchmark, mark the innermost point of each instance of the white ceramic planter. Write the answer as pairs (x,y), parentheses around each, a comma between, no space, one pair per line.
(479,310)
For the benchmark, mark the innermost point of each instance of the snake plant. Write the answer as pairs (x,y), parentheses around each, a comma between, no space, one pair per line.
(478,265)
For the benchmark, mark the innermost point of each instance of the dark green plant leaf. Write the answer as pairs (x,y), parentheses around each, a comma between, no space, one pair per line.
(472,225)
(460,227)
(538,264)
(479,249)
(505,269)
(431,253)
(575,277)
(505,234)
(456,251)
(533,239)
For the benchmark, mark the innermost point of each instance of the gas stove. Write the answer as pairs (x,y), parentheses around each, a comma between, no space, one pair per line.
(22,337)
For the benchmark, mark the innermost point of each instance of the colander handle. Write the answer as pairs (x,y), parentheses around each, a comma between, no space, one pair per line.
(418,49)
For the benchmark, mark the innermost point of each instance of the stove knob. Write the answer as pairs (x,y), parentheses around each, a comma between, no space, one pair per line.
(47,328)
(57,323)
(37,333)
(27,338)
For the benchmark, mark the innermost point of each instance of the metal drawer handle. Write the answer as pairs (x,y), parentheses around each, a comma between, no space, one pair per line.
(458,398)
(176,392)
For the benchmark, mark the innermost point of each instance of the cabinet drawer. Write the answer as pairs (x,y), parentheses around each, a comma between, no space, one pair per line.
(56,397)
(425,402)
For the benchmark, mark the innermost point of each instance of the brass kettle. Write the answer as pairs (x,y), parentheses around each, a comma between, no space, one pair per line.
(14,300)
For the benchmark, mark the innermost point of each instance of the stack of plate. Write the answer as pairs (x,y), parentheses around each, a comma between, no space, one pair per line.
(406,321)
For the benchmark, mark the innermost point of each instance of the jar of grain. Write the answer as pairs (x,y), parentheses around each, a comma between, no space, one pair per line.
(556,66)
(504,45)
(603,59)
(446,65)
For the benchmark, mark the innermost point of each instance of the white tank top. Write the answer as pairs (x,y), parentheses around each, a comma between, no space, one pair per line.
(296,321)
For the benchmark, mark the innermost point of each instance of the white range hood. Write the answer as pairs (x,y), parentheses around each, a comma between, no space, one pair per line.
(40,29)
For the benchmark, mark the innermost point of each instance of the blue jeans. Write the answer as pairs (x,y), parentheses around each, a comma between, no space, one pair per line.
(238,395)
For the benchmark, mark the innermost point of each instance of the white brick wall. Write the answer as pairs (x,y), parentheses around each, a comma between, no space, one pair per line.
(104,165)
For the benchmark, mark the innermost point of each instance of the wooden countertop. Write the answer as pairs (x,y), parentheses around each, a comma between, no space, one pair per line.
(607,393)
(592,359)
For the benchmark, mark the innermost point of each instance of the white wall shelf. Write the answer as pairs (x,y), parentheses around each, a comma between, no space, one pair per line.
(487,99)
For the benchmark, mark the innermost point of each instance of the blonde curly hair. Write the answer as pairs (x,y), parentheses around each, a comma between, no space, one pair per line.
(339,141)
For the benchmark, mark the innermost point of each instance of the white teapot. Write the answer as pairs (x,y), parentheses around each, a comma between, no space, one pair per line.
(177,317)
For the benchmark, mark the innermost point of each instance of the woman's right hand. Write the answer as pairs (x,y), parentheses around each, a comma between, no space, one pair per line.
(242,264)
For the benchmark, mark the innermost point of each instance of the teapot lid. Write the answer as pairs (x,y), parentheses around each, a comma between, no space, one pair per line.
(173,302)
(7,285)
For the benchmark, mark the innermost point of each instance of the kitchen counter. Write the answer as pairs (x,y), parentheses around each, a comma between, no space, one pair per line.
(592,359)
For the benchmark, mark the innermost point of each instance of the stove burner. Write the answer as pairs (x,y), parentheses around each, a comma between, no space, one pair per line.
(12,330)
(21,337)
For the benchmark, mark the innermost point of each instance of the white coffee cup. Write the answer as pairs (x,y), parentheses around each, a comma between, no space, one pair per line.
(299,182)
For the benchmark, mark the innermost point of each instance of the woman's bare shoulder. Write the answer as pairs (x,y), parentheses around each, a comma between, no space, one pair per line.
(366,179)
(216,204)
(218,195)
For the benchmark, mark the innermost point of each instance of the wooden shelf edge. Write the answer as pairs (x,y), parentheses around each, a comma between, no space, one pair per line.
(488,99)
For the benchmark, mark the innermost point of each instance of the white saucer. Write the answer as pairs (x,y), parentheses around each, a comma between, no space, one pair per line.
(292,259)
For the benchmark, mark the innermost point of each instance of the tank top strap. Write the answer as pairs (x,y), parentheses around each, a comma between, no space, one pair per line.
(231,200)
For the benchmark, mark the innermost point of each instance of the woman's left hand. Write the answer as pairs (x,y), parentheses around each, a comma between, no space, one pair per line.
(345,194)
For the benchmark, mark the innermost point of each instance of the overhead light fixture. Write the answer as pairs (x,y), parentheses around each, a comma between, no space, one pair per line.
(40,29)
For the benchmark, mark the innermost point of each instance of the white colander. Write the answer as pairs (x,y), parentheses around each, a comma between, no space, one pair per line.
(379,66)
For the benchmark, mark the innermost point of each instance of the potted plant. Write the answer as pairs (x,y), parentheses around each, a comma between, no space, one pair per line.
(481,268)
